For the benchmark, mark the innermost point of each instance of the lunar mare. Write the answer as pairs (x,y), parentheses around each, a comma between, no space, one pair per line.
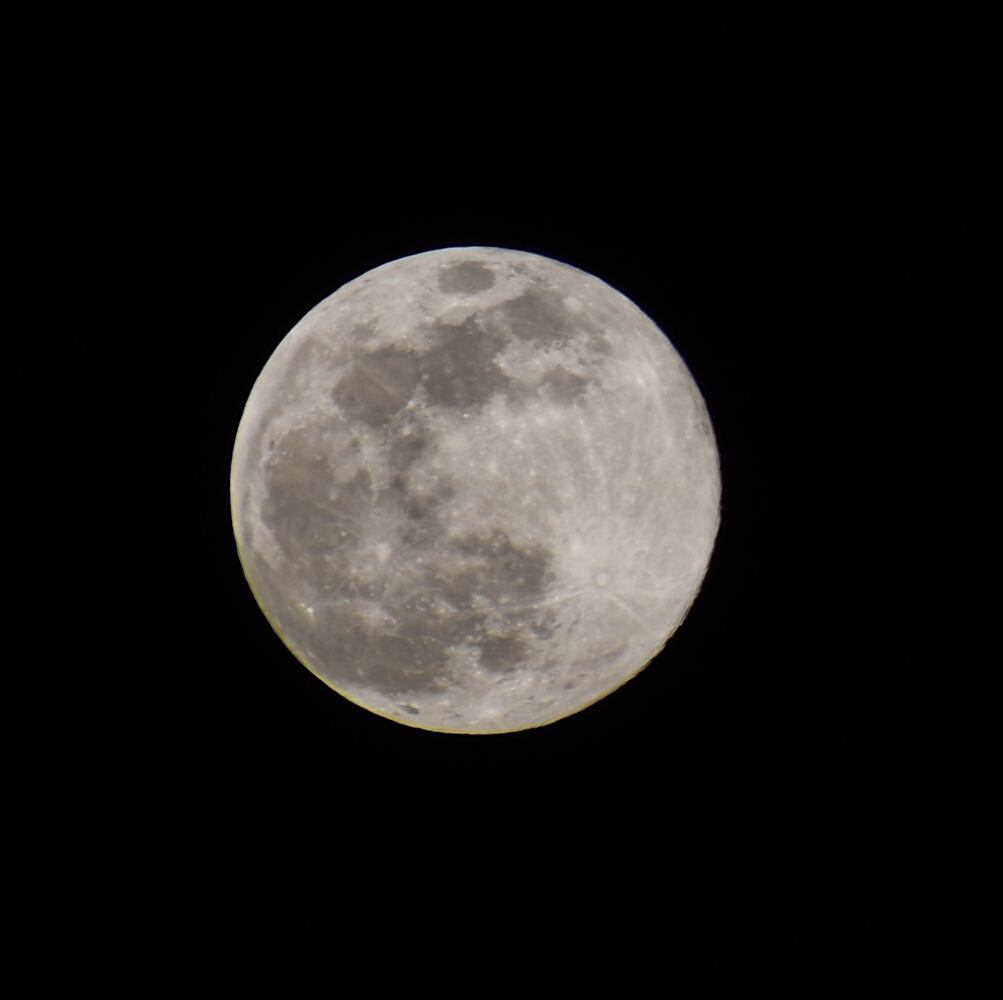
(475,490)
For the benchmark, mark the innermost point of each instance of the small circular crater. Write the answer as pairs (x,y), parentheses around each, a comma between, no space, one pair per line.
(602,578)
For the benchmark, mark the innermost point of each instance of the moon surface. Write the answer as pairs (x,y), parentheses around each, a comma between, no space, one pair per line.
(475,490)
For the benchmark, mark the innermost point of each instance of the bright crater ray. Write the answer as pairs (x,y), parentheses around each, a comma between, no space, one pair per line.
(475,490)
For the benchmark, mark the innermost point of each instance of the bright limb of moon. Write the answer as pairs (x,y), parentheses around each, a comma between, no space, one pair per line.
(475,490)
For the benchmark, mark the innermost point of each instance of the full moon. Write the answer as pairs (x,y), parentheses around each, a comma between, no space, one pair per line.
(475,490)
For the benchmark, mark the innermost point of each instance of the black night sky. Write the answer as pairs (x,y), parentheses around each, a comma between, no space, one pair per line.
(757,805)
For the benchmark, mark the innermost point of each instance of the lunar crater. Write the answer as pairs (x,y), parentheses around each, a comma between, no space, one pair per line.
(466,277)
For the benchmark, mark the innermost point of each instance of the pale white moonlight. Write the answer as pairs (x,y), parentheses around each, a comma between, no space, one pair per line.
(475,490)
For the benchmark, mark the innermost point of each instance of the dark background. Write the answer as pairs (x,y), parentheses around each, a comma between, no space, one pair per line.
(774,795)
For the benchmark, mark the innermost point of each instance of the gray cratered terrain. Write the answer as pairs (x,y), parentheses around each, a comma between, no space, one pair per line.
(475,490)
